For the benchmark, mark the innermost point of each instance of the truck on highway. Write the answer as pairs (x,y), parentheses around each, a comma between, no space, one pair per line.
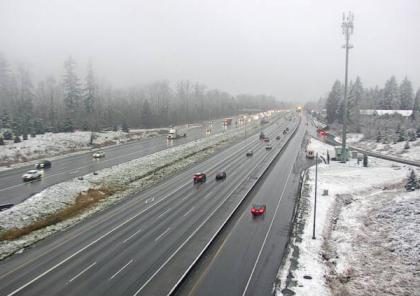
(227,121)
(173,134)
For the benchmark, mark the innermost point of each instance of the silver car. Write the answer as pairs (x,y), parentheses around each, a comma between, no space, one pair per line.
(31,175)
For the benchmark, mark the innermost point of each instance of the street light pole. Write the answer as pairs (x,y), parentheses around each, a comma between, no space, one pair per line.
(316,185)
(347,27)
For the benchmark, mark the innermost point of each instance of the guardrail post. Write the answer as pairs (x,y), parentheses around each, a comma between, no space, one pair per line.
(316,183)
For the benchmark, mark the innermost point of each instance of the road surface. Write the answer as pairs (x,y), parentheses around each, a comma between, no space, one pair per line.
(125,249)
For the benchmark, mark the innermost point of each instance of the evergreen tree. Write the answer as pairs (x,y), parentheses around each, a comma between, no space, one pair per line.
(391,97)
(401,136)
(89,97)
(124,127)
(67,125)
(25,95)
(411,181)
(146,115)
(406,95)
(1,141)
(5,120)
(333,101)
(416,107)
(72,91)
(354,102)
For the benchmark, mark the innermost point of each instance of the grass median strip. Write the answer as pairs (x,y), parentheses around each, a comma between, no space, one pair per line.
(82,202)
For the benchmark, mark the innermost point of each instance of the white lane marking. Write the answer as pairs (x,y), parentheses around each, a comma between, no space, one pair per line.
(112,230)
(266,235)
(74,172)
(163,213)
(149,200)
(90,244)
(131,236)
(129,262)
(184,198)
(10,187)
(80,273)
(160,236)
(189,211)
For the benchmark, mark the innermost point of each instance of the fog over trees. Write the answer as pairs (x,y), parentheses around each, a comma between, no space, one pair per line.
(68,102)
(393,96)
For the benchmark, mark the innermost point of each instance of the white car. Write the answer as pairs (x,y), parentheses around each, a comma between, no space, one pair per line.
(98,154)
(31,175)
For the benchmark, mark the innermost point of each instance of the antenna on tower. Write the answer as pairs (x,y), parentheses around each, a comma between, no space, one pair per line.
(347,26)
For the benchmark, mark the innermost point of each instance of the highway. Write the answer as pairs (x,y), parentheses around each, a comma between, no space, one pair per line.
(127,249)
(13,190)
(245,259)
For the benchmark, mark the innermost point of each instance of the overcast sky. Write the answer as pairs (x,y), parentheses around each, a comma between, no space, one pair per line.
(287,48)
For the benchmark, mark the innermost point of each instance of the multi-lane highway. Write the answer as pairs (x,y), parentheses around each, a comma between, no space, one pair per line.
(130,249)
(13,190)
(246,258)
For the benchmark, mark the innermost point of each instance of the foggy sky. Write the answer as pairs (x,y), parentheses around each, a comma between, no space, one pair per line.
(286,48)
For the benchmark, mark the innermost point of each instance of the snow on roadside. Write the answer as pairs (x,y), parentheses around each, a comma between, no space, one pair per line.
(391,149)
(132,176)
(365,219)
(56,144)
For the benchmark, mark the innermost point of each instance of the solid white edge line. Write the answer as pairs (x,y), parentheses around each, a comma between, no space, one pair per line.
(104,235)
(211,240)
(88,245)
(121,269)
(80,273)
(189,237)
(267,234)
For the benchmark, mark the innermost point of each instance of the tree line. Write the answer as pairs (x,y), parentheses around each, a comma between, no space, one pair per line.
(69,102)
(393,96)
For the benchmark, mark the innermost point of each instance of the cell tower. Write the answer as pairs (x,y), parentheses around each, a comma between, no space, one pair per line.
(347,27)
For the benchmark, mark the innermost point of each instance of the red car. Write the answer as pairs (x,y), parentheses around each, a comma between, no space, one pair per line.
(266,139)
(199,178)
(258,210)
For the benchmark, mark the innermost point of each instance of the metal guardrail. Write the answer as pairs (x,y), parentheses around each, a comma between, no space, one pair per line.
(377,155)
(262,173)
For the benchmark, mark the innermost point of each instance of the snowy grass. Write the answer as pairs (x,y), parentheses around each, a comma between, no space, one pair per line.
(124,179)
(391,149)
(55,144)
(367,233)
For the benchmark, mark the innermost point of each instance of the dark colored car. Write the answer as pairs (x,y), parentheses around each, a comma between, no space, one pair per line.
(249,153)
(43,164)
(268,147)
(220,176)
(199,178)
(278,138)
(262,136)
(258,210)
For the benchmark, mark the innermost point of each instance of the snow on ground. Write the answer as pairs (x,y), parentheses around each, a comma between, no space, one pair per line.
(55,144)
(131,177)
(367,238)
(397,150)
